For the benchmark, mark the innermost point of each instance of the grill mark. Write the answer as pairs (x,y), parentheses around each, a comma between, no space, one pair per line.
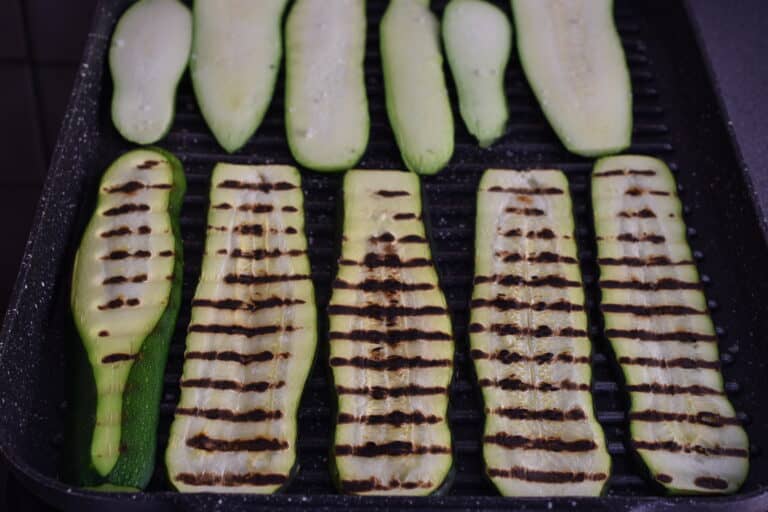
(290,230)
(389,313)
(240,330)
(119,303)
(651,238)
(392,193)
(236,357)
(513,280)
(263,279)
(680,362)
(540,331)
(547,477)
(542,257)
(373,260)
(552,444)
(249,229)
(165,254)
(384,237)
(385,285)
(121,255)
(380,392)
(222,206)
(710,419)
(674,447)
(637,191)
(147,164)
(390,449)
(672,389)
(666,283)
(261,254)
(528,212)
(405,216)
(510,384)
(390,337)
(651,310)
(542,191)
(261,187)
(257,444)
(103,334)
(412,239)
(663,478)
(507,357)
(396,418)
(543,234)
(118,357)
(126,208)
(653,261)
(132,186)
(519,413)
(639,334)
(373,484)
(231,385)
(121,231)
(140,278)
(256,207)
(252,416)
(645,213)
(231,479)
(710,482)
(290,209)
(504,304)
(234,304)
(390,363)
(623,172)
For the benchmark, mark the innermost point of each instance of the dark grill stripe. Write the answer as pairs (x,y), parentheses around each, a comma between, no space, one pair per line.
(261,187)
(546,477)
(710,482)
(249,229)
(257,444)
(513,280)
(630,238)
(412,239)
(528,212)
(680,362)
(507,357)
(381,393)
(125,279)
(510,384)
(254,415)
(373,260)
(255,305)
(390,363)
(390,449)
(385,312)
(672,389)
(661,284)
(385,285)
(231,385)
(406,216)
(519,413)
(240,330)
(392,193)
(645,213)
(147,164)
(125,230)
(118,358)
(256,207)
(666,310)
(121,255)
(506,304)
(132,186)
(537,191)
(639,334)
(624,172)
(551,443)
(675,447)
(261,254)
(542,234)
(119,303)
(542,257)
(637,191)
(231,479)
(373,484)
(125,209)
(539,331)
(396,418)
(236,357)
(390,337)
(263,279)
(651,261)
(710,419)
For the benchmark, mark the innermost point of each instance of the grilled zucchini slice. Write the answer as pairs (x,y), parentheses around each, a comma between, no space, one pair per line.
(417,100)
(682,424)
(236,55)
(326,112)
(572,57)
(251,341)
(391,343)
(126,291)
(528,337)
(149,53)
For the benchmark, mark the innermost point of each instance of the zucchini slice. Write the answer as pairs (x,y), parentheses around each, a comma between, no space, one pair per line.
(126,291)
(417,100)
(236,53)
(251,341)
(391,343)
(572,56)
(528,338)
(682,424)
(478,40)
(149,53)
(326,105)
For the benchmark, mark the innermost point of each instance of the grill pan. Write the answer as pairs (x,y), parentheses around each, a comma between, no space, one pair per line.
(677,118)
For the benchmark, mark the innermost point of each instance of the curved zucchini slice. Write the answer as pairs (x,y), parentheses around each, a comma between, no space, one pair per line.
(126,290)
(251,341)
(391,343)
(682,424)
(236,53)
(326,105)
(149,53)
(417,100)
(572,56)
(478,40)
(528,337)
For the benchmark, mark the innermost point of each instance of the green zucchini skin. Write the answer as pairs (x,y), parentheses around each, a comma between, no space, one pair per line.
(134,465)
(382,338)
(682,424)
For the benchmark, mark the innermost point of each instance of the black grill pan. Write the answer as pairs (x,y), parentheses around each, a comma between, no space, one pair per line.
(676,118)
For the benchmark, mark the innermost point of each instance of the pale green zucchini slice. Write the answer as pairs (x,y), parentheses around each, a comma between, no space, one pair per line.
(529,342)
(149,53)
(682,423)
(251,341)
(391,343)
(417,100)
(478,39)
(326,107)
(236,53)
(572,57)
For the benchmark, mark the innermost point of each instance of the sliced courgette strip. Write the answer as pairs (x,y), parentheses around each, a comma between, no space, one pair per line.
(251,341)
(528,336)
(391,343)
(126,288)
(682,424)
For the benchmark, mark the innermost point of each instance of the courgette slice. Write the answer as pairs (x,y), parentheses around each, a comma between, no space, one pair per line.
(236,53)
(126,290)
(251,341)
(417,100)
(391,343)
(682,424)
(529,342)
(572,57)
(478,39)
(326,112)
(149,53)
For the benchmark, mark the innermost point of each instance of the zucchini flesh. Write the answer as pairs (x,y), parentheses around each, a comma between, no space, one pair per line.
(391,343)
(126,291)
(572,57)
(417,100)
(149,53)
(251,341)
(528,337)
(326,106)
(682,424)
(236,53)
(478,40)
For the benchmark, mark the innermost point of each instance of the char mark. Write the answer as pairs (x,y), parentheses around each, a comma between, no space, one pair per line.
(290,209)
(535,281)
(537,191)
(121,255)
(121,231)
(390,337)
(639,334)
(124,279)
(381,393)
(391,363)
(240,330)
(519,413)
(228,479)
(249,229)
(645,213)
(147,164)
(385,285)
(507,357)
(125,209)
(263,279)
(552,444)
(672,389)
(711,482)
(624,172)
(132,186)
(118,358)
(395,418)
(260,254)
(406,216)
(542,257)
(222,206)
(510,384)
(392,193)
(505,304)
(680,362)
(546,477)
(261,187)
(256,208)
(709,419)
(651,238)
(373,260)
(253,305)
(373,484)
(652,261)
(671,310)
(542,234)
(540,331)
(231,385)
(388,313)
(257,444)
(666,283)
(236,357)
(528,212)
(251,416)
(119,303)
(390,449)
(675,447)
(637,191)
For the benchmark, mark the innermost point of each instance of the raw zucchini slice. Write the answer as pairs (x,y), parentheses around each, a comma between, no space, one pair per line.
(478,39)
(682,424)
(391,343)
(126,290)
(251,340)
(149,53)
(326,112)
(528,337)
(572,56)
(236,55)
(417,100)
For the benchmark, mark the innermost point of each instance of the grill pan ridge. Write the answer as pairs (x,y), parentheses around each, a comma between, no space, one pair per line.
(676,119)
